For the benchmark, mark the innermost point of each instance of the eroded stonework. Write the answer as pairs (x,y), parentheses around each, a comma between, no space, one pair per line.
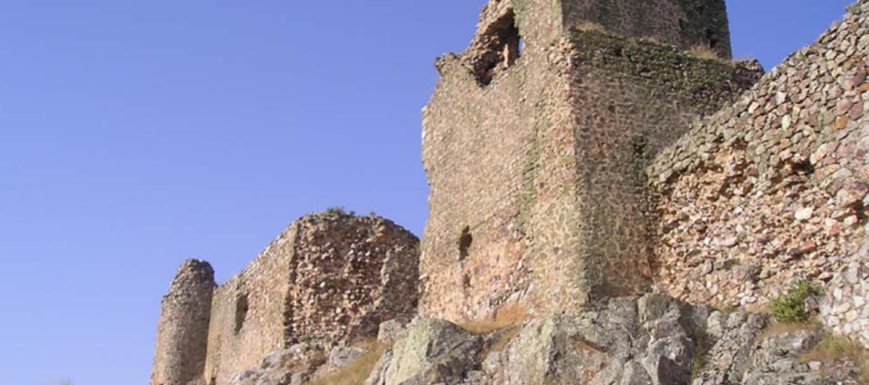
(773,189)
(182,334)
(579,157)
(535,151)
(326,280)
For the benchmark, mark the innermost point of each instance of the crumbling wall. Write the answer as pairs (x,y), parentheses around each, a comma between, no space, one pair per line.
(328,278)
(182,333)
(845,307)
(772,189)
(512,141)
(682,23)
(351,274)
(249,311)
(480,139)
(631,99)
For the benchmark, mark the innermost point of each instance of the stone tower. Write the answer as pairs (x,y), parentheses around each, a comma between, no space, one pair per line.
(536,139)
(182,334)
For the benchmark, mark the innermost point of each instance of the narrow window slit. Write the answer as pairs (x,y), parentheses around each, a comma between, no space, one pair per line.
(465,242)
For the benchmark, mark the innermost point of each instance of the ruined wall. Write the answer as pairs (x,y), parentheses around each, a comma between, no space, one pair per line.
(772,189)
(682,23)
(631,99)
(507,139)
(845,307)
(182,333)
(328,278)
(249,311)
(351,274)
(477,141)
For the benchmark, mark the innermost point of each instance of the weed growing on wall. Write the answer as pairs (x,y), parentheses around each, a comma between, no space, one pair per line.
(791,307)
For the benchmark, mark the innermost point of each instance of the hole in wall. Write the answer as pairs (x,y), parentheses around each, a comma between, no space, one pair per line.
(502,45)
(712,38)
(465,242)
(860,209)
(242,306)
(804,168)
(640,145)
(212,381)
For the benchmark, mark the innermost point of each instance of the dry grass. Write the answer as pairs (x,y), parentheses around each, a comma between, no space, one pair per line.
(786,327)
(508,316)
(357,372)
(704,52)
(840,349)
(588,26)
(651,39)
(505,339)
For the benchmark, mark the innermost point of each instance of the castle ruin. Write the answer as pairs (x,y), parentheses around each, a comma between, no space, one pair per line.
(536,139)
(578,151)
(327,279)
(182,334)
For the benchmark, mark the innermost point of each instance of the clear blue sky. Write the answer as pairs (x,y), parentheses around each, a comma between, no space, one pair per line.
(135,134)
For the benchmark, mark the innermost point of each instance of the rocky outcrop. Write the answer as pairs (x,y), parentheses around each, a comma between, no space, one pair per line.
(649,340)
(292,366)
(430,352)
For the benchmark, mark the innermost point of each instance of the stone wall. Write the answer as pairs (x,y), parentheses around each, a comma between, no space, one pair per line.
(772,189)
(350,274)
(182,333)
(845,308)
(248,318)
(535,157)
(328,279)
(478,140)
(684,23)
(631,98)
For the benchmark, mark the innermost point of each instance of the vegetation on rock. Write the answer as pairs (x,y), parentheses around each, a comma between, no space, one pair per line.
(791,307)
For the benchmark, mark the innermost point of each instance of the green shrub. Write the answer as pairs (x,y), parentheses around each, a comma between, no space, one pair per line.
(791,307)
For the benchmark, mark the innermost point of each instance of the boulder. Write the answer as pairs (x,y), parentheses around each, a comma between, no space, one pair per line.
(340,357)
(389,331)
(292,366)
(430,352)
(729,340)
(625,341)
